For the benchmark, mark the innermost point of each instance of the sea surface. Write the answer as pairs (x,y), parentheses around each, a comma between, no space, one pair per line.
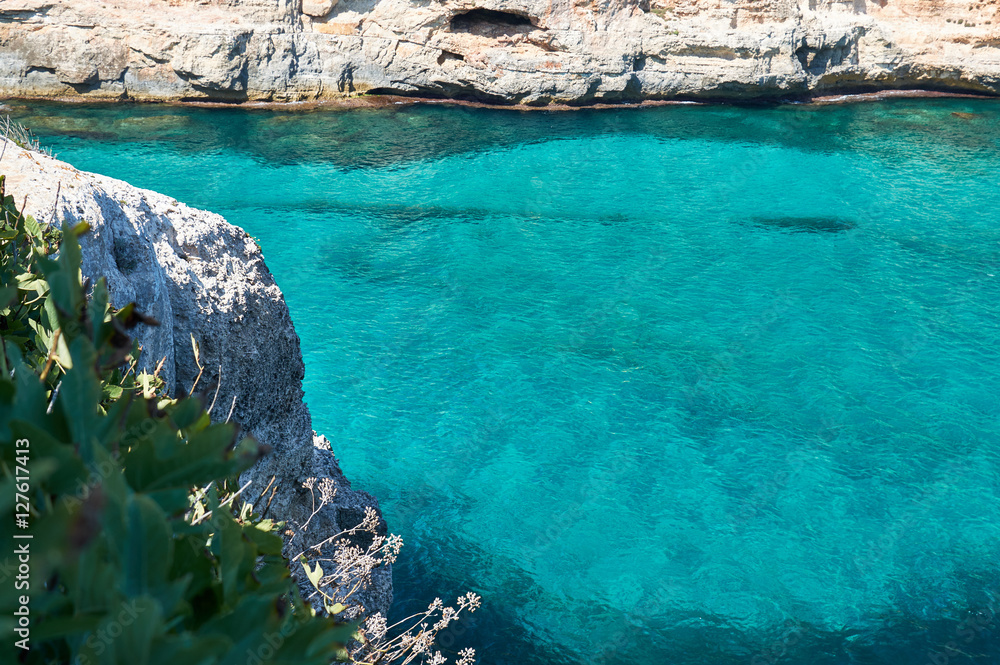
(690,385)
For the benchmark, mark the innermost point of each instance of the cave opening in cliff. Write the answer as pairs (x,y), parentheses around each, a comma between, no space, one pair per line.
(481,21)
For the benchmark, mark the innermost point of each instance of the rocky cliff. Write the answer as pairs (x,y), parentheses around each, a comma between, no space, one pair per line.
(507,51)
(203,277)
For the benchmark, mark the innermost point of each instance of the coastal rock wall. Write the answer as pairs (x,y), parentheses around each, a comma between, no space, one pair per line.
(203,277)
(506,51)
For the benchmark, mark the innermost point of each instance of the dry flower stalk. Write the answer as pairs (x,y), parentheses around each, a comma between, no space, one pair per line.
(338,575)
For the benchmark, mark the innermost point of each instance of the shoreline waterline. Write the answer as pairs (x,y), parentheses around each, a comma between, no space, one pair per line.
(390,101)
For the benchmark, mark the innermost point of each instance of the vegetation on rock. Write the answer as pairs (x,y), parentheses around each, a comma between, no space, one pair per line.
(135,554)
(131,544)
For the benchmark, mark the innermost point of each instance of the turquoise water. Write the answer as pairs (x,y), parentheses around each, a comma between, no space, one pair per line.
(692,385)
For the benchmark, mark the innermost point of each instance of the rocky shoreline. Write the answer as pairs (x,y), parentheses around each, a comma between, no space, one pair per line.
(497,52)
(395,101)
(206,279)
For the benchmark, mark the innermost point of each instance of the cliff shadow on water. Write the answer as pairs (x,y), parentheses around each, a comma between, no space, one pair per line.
(913,631)
(386,137)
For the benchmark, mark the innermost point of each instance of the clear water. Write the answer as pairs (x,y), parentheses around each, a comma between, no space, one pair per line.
(687,385)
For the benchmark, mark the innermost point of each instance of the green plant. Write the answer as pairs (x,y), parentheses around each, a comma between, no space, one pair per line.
(21,136)
(115,496)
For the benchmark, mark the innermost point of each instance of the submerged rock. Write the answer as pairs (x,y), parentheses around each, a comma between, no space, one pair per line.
(203,277)
(805,224)
(515,51)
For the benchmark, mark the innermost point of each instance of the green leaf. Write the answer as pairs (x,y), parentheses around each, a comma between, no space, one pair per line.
(192,558)
(204,458)
(266,542)
(141,624)
(149,550)
(236,555)
(95,580)
(64,282)
(79,228)
(171,501)
(80,395)
(325,641)
(32,227)
(317,639)
(98,307)
(69,473)
(51,629)
(186,413)
(314,574)
(7,295)
(191,650)
(63,353)
(33,283)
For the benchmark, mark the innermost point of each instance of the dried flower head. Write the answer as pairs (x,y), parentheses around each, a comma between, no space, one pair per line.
(469,601)
(391,550)
(327,490)
(448,615)
(350,567)
(375,626)
(370,523)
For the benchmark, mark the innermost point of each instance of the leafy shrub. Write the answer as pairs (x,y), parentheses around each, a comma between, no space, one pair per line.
(111,494)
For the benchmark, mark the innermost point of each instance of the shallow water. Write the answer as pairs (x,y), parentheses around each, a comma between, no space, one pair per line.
(687,385)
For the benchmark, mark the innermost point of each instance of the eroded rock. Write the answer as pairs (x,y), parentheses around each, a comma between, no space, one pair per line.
(318,8)
(510,51)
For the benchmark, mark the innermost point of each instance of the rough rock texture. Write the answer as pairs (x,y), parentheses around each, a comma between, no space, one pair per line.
(524,51)
(199,275)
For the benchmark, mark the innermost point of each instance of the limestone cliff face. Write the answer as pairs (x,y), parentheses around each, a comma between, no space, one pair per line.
(522,51)
(199,275)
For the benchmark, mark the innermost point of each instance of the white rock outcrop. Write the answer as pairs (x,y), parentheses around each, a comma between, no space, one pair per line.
(507,51)
(317,8)
(201,276)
